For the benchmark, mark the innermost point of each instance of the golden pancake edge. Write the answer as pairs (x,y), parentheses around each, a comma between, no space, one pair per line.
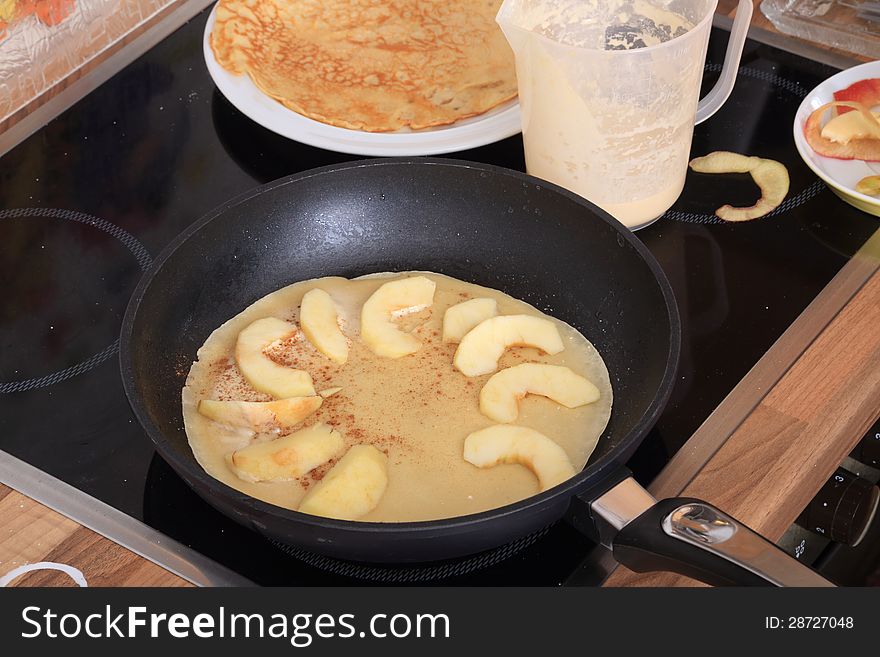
(376,67)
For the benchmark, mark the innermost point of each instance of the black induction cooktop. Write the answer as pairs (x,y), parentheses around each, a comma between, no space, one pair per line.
(89,198)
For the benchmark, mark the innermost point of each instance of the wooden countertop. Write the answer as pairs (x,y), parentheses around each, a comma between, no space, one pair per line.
(31,533)
(793,440)
(800,426)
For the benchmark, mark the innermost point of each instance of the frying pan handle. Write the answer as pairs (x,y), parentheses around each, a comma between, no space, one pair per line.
(693,538)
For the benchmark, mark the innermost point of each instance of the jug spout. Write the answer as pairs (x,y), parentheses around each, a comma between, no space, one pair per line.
(514,32)
(573,23)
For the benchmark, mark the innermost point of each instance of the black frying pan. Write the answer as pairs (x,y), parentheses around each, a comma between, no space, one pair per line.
(482,224)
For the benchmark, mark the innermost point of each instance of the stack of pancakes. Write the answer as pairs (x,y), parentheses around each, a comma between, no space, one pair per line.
(373,65)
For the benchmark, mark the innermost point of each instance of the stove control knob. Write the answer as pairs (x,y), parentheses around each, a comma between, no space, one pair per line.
(868,450)
(843,509)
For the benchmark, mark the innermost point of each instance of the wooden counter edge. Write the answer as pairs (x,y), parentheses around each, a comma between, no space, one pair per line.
(31,532)
(793,440)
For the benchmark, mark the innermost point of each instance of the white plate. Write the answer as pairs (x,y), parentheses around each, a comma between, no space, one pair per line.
(496,124)
(840,175)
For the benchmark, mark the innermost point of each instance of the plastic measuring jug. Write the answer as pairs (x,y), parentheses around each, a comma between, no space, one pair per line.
(609,94)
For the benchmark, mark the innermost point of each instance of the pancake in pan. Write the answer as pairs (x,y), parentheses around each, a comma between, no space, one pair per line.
(417,409)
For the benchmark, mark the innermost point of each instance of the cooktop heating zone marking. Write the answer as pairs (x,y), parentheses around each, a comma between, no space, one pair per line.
(812,190)
(130,242)
(413,574)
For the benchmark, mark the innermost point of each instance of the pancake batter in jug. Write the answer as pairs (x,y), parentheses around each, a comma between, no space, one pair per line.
(609,92)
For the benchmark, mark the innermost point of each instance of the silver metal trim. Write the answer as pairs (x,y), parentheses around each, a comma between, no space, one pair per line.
(115,525)
(705,527)
(616,508)
(40,116)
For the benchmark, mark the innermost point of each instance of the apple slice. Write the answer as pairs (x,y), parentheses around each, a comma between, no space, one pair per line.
(261,415)
(263,373)
(462,317)
(352,488)
(482,346)
(869,185)
(319,320)
(500,396)
(394,299)
(506,443)
(852,125)
(855,149)
(287,458)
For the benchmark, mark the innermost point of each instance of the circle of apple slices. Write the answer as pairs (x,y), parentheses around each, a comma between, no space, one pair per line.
(506,443)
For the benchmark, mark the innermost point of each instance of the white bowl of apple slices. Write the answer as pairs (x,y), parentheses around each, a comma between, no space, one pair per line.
(837,133)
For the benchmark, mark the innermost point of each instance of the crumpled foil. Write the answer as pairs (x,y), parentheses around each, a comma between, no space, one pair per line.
(34,56)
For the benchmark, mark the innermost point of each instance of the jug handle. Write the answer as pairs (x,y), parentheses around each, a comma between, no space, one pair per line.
(721,91)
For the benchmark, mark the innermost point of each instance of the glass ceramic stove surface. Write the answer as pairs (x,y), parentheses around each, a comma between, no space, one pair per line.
(116,177)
